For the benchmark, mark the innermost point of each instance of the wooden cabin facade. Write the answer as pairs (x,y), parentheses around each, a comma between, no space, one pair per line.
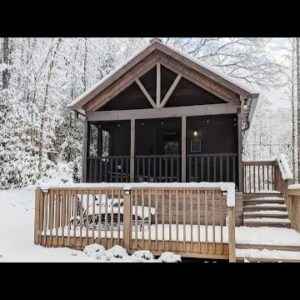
(162,150)
(163,117)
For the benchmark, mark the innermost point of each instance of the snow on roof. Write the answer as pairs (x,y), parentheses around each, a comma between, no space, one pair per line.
(229,79)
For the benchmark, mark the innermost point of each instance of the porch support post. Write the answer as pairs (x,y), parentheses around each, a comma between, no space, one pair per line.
(132,148)
(84,151)
(240,154)
(183,148)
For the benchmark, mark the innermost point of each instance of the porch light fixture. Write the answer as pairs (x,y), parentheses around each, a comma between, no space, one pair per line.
(196,133)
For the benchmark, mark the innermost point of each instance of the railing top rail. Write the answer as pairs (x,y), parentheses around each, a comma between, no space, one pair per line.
(154,156)
(226,187)
(259,162)
(111,156)
(285,170)
(212,154)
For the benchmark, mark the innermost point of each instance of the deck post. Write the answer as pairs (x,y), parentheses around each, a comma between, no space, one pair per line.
(36,215)
(84,151)
(127,218)
(183,148)
(231,234)
(240,145)
(132,148)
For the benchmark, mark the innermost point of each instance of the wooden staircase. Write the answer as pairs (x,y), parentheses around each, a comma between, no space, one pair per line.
(266,209)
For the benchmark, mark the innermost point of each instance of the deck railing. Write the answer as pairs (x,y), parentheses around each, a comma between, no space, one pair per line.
(189,219)
(108,169)
(259,176)
(157,168)
(267,175)
(215,167)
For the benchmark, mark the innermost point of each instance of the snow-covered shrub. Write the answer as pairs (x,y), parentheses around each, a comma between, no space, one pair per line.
(142,256)
(116,253)
(94,250)
(169,257)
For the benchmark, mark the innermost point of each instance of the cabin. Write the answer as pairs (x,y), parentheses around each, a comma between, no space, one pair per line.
(162,164)
(164,117)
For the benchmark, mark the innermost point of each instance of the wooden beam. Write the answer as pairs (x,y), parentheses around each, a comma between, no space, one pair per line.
(199,79)
(85,142)
(171,90)
(165,112)
(132,148)
(141,86)
(122,83)
(231,234)
(240,153)
(158,85)
(183,149)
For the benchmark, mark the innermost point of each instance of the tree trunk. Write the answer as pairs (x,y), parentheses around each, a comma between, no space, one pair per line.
(298,98)
(293,110)
(50,73)
(6,60)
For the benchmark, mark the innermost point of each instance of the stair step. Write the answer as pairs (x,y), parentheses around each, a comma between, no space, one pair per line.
(267,220)
(263,201)
(269,247)
(259,195)
(265,214)
(264,206)
(255,255)
(267,224)
(265,260)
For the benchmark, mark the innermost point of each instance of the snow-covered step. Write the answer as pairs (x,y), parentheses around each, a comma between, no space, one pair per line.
(265,255)
(272,222)
(265,214)
(268,247)
(266,200)
(264,206)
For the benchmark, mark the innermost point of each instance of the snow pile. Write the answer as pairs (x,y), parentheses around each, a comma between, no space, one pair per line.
(143,256)
(119,254)
(284,167)
(169,257)
(94,250)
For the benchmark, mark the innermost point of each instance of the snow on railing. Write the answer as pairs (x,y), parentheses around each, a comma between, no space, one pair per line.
(226,187)
(286,172)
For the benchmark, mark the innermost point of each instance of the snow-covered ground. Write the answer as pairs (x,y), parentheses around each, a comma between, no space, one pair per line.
(16,238)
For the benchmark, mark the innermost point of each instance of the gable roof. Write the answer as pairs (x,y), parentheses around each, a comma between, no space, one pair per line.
(200,67)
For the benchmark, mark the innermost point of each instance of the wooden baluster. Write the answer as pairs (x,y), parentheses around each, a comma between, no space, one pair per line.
(184,212)
(112,217)
(170,220)
(214,220)
(136,218)
(149,218)
(191,217)
(163,219)
(156,220)
(206,220)
(177,234)
(143,219)
(198,219)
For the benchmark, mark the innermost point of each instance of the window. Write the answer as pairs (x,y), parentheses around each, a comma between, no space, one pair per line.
(195,146)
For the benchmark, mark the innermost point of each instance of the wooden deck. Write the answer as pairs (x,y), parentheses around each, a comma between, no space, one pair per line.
(187,220)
